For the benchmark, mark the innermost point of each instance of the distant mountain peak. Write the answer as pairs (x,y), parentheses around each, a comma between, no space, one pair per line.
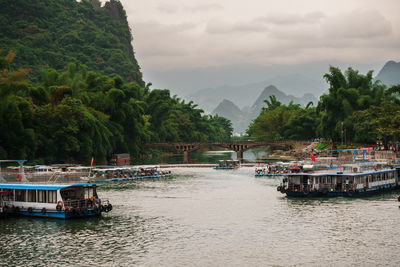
(390,73)
(226,107)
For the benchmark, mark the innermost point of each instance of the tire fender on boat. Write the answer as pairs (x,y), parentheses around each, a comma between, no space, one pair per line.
(30,209)
(43,210)
(59,206)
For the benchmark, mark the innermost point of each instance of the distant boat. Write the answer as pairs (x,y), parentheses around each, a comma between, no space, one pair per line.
(128,173)
(227,165)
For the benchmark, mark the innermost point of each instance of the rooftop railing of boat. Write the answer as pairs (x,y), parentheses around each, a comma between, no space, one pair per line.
(85,203)
(44,177)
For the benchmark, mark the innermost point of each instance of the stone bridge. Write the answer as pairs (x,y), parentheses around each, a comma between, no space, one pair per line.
(238,146)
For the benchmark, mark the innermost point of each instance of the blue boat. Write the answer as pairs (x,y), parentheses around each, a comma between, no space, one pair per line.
(349,181)
(227,165)
(61,201)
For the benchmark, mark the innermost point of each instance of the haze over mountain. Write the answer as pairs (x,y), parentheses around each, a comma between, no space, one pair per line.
(245,95)
(296,79)
(390,73)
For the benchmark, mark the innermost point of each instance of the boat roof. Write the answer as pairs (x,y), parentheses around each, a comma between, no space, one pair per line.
(339,173)
(45,186)
(10,160)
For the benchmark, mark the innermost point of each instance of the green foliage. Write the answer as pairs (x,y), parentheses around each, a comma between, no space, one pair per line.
(355,109)
(281,122)
(74,115)
(323,146)
(54,33)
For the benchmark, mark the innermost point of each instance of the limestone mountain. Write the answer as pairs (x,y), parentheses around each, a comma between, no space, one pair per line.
(54,33)
(390,73)
(281,97)
(229,110)
(242,118)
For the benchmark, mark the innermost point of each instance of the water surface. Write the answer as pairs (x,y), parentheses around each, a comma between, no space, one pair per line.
(205,217)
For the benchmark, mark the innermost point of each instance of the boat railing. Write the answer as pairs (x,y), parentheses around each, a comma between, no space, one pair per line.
(85,203)
(53,177)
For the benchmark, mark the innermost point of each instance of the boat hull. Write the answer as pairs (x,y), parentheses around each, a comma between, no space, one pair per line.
(334,193)
(269,174)
(59,214)
(224,168)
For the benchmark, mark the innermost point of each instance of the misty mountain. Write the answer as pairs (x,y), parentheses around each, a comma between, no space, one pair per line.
(390,73)
(244,95)
(188,81)
(281,97)
(232,112)
(242,118)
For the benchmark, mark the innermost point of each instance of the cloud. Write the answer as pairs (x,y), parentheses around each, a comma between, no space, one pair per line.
(358,35)
(167,8)
(220,27)
(290,19)
(361,24)
(203,8)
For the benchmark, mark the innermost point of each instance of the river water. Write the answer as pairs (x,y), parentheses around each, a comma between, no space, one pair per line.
(205,217)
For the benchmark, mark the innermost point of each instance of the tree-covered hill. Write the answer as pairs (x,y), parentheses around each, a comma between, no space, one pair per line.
(76,114)
(53,33)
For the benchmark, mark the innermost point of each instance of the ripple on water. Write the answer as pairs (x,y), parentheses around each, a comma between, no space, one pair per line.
(204,217)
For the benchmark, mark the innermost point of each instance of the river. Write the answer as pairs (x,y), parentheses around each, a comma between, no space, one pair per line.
(205,217)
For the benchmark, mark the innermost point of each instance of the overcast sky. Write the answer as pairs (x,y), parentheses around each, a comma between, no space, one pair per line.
(189,34)
(197,33)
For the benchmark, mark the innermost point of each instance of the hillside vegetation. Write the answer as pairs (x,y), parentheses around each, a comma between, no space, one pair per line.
(54,33)
(356,109)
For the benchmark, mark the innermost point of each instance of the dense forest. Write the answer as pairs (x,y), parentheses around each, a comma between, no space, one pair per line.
(356,109)
(76,114)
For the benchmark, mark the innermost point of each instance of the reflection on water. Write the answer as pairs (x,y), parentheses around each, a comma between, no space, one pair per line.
(251,155)
(205,217)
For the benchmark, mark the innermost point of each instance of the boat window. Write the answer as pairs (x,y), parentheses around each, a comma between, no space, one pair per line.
(42,196)
(31,195)
(20,195)
(89,192)
(52,196)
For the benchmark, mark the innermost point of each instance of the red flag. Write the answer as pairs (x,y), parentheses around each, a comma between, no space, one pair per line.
(312,157)
(393,158)
(91,163)
(369,157)
(340,164)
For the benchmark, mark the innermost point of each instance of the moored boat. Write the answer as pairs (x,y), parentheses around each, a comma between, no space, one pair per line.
(128,173)
(350,181)
(21,196)
(62,201)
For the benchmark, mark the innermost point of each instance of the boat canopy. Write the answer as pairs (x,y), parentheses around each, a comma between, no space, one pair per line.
(339,173)
(12,161)
(44,186)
